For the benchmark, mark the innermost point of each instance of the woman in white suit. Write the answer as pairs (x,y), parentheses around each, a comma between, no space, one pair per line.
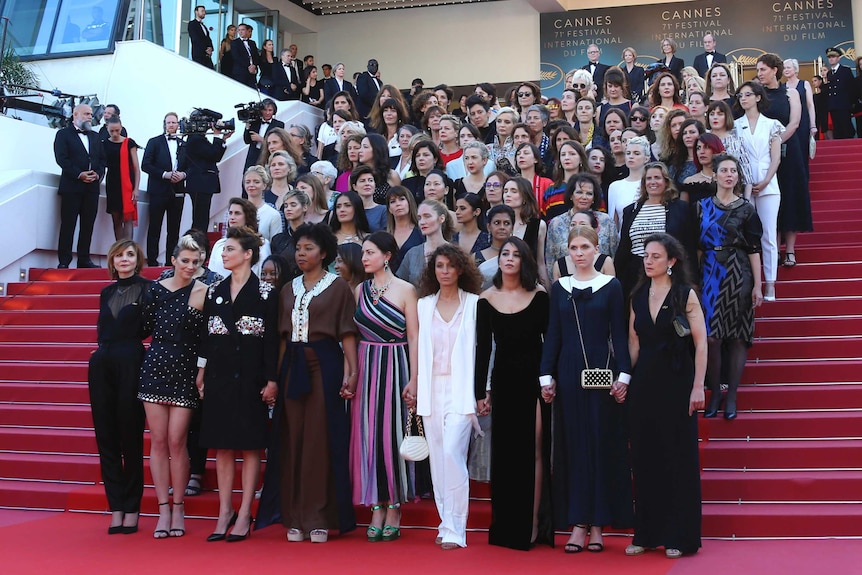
(443,394)
(761,141)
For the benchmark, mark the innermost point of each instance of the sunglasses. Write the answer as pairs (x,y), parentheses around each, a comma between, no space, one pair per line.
(638,119)
(493,185)
(579,86)
(524,94)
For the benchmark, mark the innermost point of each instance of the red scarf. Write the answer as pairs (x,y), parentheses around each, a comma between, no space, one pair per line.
(127,188)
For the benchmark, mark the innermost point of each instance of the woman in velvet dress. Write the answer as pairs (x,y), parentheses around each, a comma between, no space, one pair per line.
(118,418)
(665,393)
(237,366)
(513,314)
(307,483)
(591,478)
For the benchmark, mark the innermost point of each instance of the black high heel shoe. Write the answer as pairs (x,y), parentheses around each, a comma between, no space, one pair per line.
(716,401)
(233,537)
(222,536)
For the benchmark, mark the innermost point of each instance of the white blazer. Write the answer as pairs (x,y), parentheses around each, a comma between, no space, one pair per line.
(757,145)
(463,356)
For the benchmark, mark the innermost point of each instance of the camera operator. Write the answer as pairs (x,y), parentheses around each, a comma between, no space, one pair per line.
(257,129)
(165,164)
(202,179)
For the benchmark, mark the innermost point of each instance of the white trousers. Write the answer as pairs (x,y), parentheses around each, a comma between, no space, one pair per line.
(448,437)
(767,210)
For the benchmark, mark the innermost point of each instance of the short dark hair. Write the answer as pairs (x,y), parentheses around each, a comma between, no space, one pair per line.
(504,209)
(360,220)
(269,102)
(449,92)
(249,210)
(476,99)
(358,171)
(469,278)
(773,61)
(758,90)
(385,242)
(321,235)
(728,113)
(248,239)
(577,180)
(488,88)
(680,284)
(529,274)
(115,107)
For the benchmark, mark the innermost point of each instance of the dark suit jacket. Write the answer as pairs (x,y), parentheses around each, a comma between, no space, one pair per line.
(241,61)
(598,77)
(200,42)
(202,157)
(700,62)
(281,83)
(636,80)
(841,88)
(253,149)
(366,90)
(330,89)
(72,157)
(157,160)
(675,68)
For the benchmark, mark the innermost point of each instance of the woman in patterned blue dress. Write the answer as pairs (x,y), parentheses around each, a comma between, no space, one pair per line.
(388,329)
(729,239)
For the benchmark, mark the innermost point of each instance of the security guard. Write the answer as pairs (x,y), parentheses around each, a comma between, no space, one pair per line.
(839,84)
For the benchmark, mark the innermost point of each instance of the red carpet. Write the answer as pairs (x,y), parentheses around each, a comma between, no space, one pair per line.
(788,467)
(73,544)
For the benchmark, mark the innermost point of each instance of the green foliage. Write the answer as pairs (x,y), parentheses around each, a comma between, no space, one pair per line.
(16,72)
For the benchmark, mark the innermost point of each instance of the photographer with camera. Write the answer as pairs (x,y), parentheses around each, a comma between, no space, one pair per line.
(202,179)
(259,119)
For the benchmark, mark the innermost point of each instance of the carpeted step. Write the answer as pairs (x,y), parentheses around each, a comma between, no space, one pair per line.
(43,371)
(825,348)
(809,371)
(836,287)
(80,318)
(789,486)
(42,334)
(46,351)
(29,392)
(805,307)
(44,495)
(96,274)
(783,454)
(70,441)
(781,520)
(75,416)
(800,397)
(51,302)
(66,467)
(825,236)
(806,327)
(812,424)
(808,252)
(56,288)
(822,271)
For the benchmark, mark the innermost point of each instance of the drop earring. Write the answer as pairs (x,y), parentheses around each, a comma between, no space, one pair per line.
(386,266)
(669,271)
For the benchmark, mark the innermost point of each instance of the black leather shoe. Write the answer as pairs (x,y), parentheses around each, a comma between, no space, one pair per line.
(730,414)
(223,536)
(87,264)
(233,537)
(115,529)
(62,266)
(715,403)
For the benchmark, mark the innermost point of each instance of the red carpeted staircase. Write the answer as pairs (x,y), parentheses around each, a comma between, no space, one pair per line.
(789,466)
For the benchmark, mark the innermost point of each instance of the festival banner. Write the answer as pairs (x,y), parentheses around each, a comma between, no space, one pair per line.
(743,30)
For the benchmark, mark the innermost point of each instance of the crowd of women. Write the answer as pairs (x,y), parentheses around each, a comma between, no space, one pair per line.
(556,332)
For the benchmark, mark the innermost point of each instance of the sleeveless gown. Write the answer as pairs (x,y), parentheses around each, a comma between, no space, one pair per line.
(378,412)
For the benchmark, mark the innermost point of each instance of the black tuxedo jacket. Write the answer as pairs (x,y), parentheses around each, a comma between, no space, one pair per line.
(202,157)
(598,78)
(253,149)
(200,40)
(700,62)
(366,90)
(675,68)
(73,158)
(330,89)
(840,88)
(242,60)
(157,160)
(281,83)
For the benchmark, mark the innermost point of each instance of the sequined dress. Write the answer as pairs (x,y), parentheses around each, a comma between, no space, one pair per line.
(170,365)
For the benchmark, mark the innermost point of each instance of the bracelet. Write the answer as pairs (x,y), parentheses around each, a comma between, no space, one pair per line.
(202,362)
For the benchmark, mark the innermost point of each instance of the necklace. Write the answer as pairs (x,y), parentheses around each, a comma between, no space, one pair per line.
(377,292)
(653,291)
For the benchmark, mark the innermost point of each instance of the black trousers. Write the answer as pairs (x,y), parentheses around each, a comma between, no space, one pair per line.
(72,208)
(160,205)
(842,125)
(201,203)
(118,419)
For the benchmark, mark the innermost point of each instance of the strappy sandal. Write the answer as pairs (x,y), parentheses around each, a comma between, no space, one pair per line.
(194,489)
(595,547)
(789,259)
(161,533)
(574,547)
(374,533)
(393,532)
(178,531)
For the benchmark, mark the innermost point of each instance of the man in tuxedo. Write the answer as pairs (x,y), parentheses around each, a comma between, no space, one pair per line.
(597,69)
(199,35)
(111,110)
(294,51)
(79,153)
(703,62)
(368,84)
(165,164)
(202,179)
(256,131)
(246,57)
(286,77)
(839,87)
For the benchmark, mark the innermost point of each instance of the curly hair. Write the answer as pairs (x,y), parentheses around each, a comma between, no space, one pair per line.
(469,278)
(321,235)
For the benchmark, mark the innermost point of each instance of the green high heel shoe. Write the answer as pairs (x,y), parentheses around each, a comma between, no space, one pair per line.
(374,533)
(391,532)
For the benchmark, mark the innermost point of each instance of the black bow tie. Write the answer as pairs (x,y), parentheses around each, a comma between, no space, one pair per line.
(710,53)
(583,294)
(80,131)
(264,122)
(171,137)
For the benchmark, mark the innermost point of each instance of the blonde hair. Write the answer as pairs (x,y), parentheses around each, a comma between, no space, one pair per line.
(291,164)
(261,172)
(583,231)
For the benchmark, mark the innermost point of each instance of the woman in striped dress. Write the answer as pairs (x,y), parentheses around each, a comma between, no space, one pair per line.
(388,326)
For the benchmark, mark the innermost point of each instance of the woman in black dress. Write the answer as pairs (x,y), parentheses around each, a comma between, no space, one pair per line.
(173,315)
(664,395)
(591,478)
(122,180)
(312,88)
(118,418)
(513,314)
(237,375)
